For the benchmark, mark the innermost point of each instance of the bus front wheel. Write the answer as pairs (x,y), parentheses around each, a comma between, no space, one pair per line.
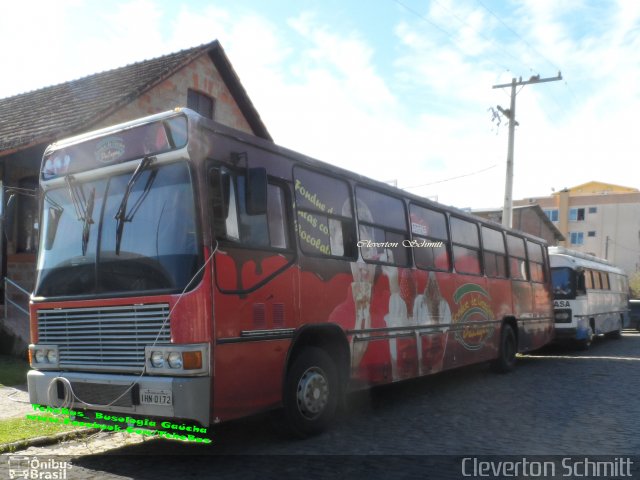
(311,392)
(508,348)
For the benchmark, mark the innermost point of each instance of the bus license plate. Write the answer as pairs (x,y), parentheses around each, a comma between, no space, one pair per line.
(155,397)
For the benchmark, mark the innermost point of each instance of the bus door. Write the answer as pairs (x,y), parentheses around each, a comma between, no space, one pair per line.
(255,289)
(542,324)
(520,288)
(495,260)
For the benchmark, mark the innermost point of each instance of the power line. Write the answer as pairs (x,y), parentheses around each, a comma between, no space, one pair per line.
(449,35)
(451,39)
(533,49)
(452,13)
(451,178)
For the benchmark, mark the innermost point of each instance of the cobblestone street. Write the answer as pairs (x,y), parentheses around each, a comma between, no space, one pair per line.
(557,402)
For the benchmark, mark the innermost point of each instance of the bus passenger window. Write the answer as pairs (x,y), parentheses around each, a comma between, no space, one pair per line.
(494,253)
(466,246)
(429,229)
(536,262)
(596,280)
(588,279)
(324,220)
(261,230)
(517,257)
(383,228)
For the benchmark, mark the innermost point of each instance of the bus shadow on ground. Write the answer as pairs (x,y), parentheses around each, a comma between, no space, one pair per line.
(265,432)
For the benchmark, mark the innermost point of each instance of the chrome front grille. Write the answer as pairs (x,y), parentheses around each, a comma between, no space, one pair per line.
(104,338)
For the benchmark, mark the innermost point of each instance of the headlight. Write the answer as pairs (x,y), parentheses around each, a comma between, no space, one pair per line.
(175,360)
(43,356)
(157,359)
(40,356)
(52,356)
(178,359)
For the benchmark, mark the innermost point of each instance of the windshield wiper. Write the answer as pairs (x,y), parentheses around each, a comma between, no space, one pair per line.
(83,207)
(122,215)
(88,220)
(55,212)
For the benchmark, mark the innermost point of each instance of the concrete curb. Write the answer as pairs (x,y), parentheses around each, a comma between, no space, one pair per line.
(42,441)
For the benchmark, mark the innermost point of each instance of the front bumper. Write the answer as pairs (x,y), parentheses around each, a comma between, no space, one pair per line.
(190,397)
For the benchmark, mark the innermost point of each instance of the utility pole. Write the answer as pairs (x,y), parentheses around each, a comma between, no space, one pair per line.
(507,211)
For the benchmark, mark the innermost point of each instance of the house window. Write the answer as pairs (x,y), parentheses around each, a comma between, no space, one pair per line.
(552,214)
(577,238)
(201,103)
(576,214)
(593,209)
(591,234)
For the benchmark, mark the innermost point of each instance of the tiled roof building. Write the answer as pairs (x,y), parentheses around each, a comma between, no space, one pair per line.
(201,78)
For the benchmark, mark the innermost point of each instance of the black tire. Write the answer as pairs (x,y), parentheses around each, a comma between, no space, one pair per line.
(616,334)
(506,360)
(311,392)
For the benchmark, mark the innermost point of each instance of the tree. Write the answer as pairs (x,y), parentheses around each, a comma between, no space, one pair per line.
(634,285)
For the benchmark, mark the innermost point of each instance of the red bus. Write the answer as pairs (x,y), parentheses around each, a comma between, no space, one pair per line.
(190,271)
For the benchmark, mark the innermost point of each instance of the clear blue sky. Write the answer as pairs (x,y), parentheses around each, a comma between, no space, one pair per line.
(395,89)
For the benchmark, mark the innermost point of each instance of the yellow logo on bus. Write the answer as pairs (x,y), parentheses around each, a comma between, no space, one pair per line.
(473,315)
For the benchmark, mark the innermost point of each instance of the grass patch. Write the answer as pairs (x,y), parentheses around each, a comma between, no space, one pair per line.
(15,429)
(13,371)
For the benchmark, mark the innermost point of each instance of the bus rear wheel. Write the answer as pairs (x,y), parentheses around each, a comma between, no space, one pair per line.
(616,334)
(508,348)
(311,392)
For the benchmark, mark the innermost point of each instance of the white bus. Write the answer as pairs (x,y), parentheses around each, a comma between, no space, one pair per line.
(590,296)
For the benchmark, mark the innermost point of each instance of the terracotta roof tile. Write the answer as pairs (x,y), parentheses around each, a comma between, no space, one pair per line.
(53,112)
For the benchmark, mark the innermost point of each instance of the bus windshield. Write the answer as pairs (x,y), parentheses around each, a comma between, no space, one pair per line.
(563,280)
(89,245)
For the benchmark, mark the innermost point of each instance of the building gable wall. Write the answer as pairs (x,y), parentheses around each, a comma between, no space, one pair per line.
(200,75)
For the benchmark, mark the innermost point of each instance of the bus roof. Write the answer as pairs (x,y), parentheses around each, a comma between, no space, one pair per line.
(564,257)
(294,156)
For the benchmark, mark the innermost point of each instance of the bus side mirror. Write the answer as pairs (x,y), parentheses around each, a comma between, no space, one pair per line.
(256,192)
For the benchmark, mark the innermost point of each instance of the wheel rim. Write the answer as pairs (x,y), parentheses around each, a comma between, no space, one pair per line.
(312,393)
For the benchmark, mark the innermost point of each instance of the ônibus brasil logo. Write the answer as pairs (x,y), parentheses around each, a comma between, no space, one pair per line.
(473,307)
